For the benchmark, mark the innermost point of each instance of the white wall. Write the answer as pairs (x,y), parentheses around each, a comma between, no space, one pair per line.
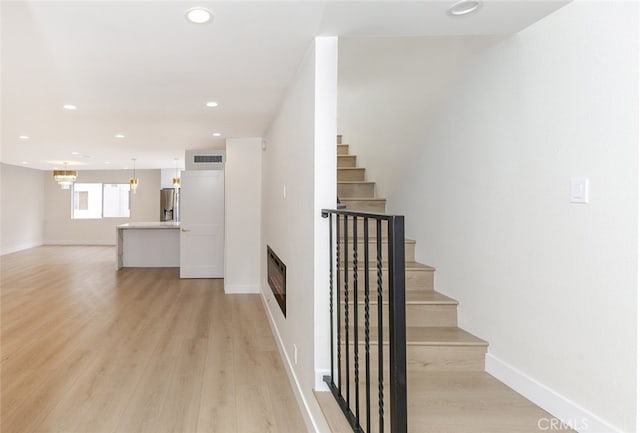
(390,90)
(325,193)
(297,154)
(481,172)
(242,215)
(22,204)
(60,229)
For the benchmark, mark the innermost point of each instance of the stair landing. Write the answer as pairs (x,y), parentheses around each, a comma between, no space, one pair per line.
(456,402)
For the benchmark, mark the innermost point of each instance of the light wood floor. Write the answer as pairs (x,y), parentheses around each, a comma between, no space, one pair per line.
(86,349)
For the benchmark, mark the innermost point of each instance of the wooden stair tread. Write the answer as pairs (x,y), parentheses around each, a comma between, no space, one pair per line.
(408,266)
(355,182)
(412,297)
(372,239)
(362,198)
(441,336)
(429,336)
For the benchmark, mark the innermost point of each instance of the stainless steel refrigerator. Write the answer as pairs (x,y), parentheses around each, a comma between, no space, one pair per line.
(170,204)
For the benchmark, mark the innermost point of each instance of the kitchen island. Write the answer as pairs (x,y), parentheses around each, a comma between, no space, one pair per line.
(148,245)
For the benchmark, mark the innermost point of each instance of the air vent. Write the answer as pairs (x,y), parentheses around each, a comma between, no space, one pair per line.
(198,159)
(205,159)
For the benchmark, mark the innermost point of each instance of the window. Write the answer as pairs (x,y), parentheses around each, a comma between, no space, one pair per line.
(87,200)
(96,200)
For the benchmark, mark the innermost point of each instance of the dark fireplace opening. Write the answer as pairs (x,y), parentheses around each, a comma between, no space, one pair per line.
(277,278)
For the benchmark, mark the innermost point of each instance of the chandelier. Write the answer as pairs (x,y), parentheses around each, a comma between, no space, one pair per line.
(133,182)
(175,182)
(65,178)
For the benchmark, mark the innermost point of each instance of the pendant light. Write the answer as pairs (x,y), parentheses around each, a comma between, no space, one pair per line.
(65,178)
(133,182)
(176,180)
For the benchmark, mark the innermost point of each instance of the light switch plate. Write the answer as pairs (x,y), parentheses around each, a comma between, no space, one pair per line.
(579,190)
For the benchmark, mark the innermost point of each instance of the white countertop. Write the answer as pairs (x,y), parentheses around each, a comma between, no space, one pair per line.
(150,225)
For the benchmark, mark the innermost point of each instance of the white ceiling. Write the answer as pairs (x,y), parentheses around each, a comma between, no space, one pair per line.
(140,69)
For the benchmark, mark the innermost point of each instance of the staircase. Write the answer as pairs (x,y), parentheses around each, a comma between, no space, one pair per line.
(448,390)
(434,341)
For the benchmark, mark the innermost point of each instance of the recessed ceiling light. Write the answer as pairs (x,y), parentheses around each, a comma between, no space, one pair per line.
(70,107)
(212,104)
(25,162)
(119,136)
(24,137)
(464,7)
(107,162)
(198,15)
(75,153)
(216,134)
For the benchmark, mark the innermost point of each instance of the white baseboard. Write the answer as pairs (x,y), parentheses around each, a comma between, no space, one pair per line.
(565,410)
(312,425)
(320,383)
(21,247)
(237,289)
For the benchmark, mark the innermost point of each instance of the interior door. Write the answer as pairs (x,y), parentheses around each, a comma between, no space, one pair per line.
(202,224)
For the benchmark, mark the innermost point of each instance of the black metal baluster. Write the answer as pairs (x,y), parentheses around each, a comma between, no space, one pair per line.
(331,291)
(366,323)
(380,348)
(338,327)
(397,326)
(356,348)
(346,309)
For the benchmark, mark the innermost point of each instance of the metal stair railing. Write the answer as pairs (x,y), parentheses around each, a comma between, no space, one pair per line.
(346,334)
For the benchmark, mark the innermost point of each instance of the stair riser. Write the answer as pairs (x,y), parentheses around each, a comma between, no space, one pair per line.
(377,206)
(414,279)
(360,190)
(346,161)
(351,175)
(416,314)
(446,358)
(409,251)
(427,358)
(343,149)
